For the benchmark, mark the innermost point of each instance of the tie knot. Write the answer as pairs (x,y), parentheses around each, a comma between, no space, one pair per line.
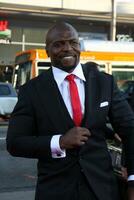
(70,77)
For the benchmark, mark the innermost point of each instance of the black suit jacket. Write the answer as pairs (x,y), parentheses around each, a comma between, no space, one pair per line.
(131,101)
(41,113)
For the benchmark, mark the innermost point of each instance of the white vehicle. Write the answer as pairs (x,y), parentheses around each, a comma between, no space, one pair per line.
(8,100)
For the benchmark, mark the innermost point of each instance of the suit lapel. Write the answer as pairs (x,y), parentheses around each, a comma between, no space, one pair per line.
(92,96)
(53,102)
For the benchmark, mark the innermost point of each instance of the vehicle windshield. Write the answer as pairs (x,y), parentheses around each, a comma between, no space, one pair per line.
(22,74)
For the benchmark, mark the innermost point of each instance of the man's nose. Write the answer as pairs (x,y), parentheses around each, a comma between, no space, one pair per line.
(67,46)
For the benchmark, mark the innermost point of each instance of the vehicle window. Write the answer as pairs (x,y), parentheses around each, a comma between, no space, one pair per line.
(23,73)
(4,90)
(43,66)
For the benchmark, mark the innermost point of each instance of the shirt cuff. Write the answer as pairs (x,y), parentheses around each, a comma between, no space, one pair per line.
(56,151)
(131,178)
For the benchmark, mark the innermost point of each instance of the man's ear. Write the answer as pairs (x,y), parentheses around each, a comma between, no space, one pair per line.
(47,52)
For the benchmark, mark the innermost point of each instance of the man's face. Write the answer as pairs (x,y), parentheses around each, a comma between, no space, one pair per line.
(63,48)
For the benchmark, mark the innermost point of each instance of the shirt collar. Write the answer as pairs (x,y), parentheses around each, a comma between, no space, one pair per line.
(60,75)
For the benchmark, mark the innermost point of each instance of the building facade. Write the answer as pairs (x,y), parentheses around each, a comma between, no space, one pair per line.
(29,20)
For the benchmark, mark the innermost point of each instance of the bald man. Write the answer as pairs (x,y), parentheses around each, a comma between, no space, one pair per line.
(73,159)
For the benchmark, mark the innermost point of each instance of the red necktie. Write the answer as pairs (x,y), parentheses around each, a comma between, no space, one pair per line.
(75,100)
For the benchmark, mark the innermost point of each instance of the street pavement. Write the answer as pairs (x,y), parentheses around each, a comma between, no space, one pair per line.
(17,175)
(17,195)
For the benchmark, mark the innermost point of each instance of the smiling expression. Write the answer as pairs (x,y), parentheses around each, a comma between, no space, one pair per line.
(62,46)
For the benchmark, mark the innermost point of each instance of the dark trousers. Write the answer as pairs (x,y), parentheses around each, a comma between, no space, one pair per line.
(84,190)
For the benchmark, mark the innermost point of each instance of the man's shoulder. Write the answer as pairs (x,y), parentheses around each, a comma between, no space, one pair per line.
(93,67)
(36,80)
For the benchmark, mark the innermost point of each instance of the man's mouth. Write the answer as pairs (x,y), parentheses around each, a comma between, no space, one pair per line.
(67,58)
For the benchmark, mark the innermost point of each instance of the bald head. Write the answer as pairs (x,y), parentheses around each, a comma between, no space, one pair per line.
(59,28)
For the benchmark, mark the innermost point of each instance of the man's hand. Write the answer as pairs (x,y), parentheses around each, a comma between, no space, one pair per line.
(75,137)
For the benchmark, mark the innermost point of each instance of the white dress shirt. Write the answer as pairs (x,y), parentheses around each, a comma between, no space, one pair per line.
(63,85)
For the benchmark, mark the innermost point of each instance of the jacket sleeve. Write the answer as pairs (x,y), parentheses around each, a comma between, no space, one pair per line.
(22,139)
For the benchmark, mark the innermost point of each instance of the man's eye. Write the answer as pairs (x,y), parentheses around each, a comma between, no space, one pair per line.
(57,44)
(75,43)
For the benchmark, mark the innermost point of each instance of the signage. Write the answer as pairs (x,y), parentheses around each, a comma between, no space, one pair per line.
(3,25)
(5,33)
(124,38)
